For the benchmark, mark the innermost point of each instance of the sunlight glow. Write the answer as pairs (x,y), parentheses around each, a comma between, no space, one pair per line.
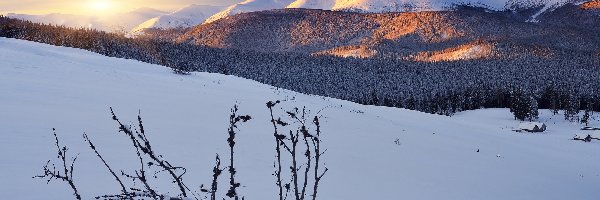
(100,6)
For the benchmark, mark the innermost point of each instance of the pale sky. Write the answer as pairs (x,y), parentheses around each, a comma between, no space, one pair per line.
(97,7)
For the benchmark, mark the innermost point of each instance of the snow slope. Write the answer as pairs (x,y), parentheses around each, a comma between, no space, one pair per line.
(186,118)
(186,17)
(249,6)
(551,5)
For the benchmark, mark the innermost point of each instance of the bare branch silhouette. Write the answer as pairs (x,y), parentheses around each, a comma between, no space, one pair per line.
(66,175)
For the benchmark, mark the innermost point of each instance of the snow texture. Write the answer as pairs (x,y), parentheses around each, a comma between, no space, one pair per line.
(373,152)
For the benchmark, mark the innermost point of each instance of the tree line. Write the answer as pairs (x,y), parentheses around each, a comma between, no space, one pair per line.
(567,80)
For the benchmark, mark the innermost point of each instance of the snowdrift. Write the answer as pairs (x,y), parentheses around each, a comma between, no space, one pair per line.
(373,152)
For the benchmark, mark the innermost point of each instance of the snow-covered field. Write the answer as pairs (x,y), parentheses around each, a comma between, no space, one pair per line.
(44,87)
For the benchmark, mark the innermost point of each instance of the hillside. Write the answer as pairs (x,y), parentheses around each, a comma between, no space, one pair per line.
(400,35)
(435,157)
(248,6)
(559,78)
(584,16)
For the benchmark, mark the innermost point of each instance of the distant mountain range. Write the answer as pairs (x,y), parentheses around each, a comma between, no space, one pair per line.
(463,33)
(186,17)
(138,21)
(122,22)
(459,32)
(378,6)
(62,19)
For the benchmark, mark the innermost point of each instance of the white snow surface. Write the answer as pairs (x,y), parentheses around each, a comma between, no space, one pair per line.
(186,118)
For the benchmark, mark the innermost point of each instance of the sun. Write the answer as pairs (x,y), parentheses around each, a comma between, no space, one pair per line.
(100,5)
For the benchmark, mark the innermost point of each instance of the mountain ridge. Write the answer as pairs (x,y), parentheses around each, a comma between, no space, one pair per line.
(399,35)
(139,20)
(378,6)
(185,17)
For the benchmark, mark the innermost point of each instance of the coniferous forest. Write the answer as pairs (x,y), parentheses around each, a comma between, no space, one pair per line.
(567,81)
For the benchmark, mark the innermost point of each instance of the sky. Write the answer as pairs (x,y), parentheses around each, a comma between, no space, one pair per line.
(97,7)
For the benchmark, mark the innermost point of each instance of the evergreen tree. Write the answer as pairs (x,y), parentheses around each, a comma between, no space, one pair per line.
(585,119)
(572,108)
(435,87)
(533,110)
(387,101)
(374,98)
(520,105)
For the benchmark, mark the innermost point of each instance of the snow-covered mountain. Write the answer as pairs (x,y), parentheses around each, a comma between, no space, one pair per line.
(545,6)
(136,21)
(249,6)
(186,17)
(366,5)
(372,152)
(418,5)
(450,35)
(385,5)
(129,20)
(314,4)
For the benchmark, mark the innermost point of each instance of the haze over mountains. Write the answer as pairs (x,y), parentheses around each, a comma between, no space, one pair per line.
(122,22)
